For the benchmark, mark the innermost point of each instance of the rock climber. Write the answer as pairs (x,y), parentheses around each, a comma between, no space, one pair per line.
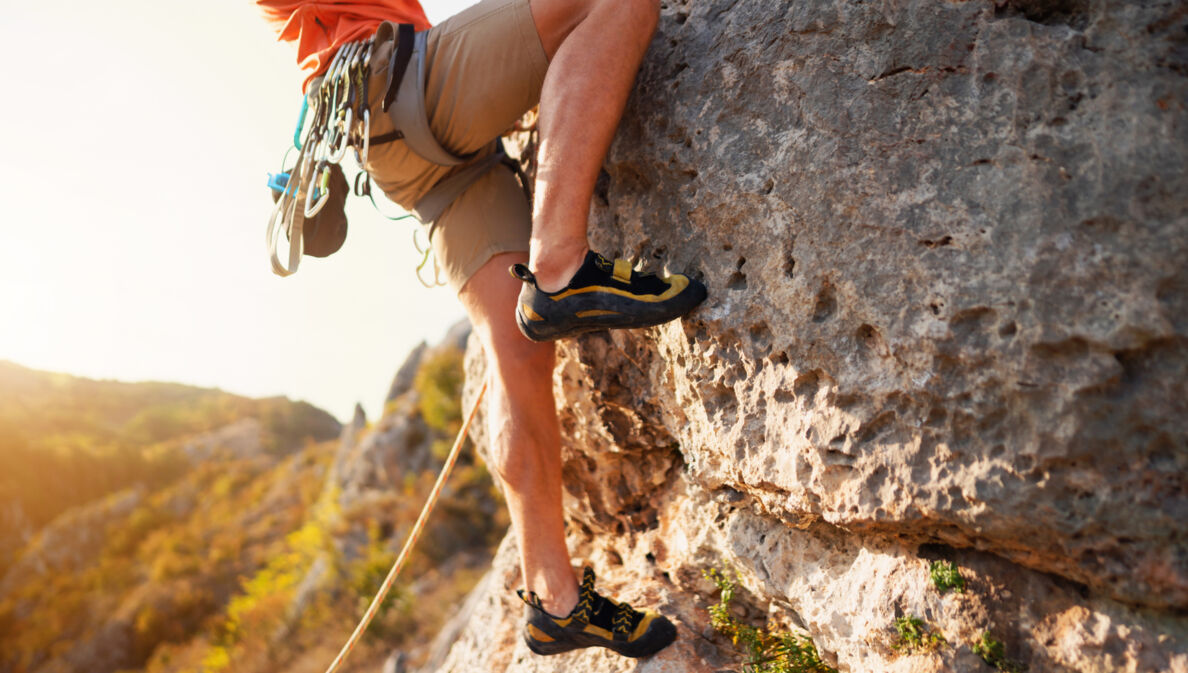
(484,68)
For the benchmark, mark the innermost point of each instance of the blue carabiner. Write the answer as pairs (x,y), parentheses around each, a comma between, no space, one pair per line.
(300,122)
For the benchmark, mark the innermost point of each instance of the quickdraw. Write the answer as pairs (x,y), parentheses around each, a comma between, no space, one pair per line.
(338,119)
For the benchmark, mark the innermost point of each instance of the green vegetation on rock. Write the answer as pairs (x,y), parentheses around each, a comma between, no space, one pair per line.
(766,650)
(945,576)
(914,636)
(993,652)
(439,383)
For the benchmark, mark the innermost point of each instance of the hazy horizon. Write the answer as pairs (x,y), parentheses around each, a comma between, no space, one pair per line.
(136,206)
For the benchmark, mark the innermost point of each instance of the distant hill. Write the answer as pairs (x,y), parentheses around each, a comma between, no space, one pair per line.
(259,555)
(66,441)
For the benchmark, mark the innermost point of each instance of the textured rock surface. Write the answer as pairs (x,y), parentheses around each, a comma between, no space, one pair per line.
(947,252)
(945,245)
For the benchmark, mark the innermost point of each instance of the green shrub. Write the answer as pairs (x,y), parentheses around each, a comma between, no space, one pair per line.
(993,652)
(365,577)
(914,636)
(439,383)
(767,650)
(946,576)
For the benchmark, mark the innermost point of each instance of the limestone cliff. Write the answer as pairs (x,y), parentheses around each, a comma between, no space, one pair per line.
(945,244)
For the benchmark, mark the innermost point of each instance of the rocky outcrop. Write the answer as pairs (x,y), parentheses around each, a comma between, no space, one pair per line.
(402,382)
(241,439)
(370,461)
(945,249)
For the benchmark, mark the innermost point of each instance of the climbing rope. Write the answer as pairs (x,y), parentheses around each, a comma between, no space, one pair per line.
(412,537)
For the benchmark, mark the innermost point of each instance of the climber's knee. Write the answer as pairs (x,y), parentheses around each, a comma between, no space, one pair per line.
(556,19)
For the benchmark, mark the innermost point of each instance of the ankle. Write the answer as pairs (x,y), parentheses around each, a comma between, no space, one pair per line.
(554,267)
(560,604)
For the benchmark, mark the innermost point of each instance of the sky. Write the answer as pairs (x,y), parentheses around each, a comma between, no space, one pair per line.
(138,138)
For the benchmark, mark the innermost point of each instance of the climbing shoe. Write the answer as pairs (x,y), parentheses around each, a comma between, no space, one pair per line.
(602,295)
(596,621)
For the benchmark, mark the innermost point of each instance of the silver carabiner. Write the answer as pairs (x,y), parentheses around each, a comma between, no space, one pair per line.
(342,135)
(361,157)
(321,187)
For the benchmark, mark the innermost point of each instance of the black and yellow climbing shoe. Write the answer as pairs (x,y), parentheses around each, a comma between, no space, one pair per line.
(602,295)
(596,621)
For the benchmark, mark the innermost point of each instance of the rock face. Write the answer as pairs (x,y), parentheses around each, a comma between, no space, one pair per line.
(948,318)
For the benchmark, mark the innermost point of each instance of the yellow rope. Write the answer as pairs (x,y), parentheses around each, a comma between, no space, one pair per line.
(412,537)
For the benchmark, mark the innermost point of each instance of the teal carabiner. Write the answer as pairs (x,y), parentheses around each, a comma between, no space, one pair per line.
(300,122)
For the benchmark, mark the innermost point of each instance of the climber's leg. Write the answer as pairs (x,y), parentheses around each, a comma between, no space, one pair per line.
(594,48)
(526,455)
(522,427)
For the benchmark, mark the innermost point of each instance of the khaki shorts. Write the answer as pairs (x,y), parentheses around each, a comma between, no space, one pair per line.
(485,68)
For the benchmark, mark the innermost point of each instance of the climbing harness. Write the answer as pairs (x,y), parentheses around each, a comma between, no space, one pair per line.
(341,119)
(412,537)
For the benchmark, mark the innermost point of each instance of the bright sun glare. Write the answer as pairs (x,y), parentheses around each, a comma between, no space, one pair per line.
(135,207)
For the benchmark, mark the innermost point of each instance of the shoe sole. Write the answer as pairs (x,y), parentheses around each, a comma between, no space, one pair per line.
(571,325)
(656,639)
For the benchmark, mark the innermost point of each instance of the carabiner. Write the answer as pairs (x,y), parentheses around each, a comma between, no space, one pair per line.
(302,169)
(347,52)
(321,149)
(300,122)
(342,131)
(361,157)
(321,187)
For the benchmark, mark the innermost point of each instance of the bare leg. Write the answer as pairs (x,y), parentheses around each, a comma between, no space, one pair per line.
(525,438)
(595,48)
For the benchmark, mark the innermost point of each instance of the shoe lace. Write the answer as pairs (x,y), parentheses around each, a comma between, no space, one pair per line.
(624,619)
(594,607)
(586,596)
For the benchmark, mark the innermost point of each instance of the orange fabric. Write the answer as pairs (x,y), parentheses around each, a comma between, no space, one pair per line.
(320,27)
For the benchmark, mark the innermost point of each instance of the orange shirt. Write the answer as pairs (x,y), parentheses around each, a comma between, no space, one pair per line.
(320,27)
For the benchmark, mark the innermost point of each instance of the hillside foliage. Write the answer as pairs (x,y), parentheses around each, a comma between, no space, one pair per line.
(228,563)
(66,441)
